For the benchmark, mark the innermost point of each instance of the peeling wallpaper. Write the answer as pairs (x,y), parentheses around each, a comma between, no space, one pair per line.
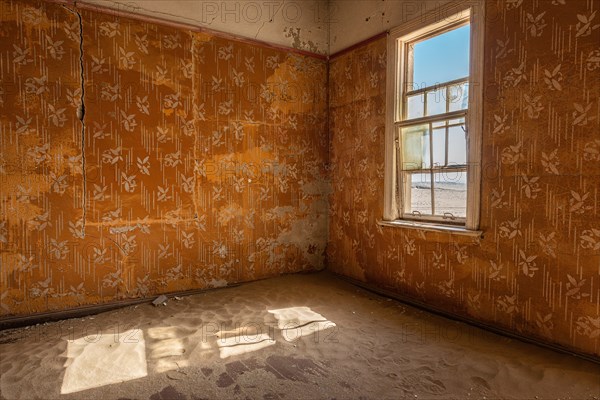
(537,269)
(201,161)
(301,24)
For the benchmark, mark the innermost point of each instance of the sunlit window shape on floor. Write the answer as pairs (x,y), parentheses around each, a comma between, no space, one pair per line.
(242,340)
(297,322)
(105,359)
(172,347)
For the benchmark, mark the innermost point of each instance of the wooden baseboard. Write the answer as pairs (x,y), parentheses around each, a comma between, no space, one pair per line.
(79,312)
(20,321)
(482,325)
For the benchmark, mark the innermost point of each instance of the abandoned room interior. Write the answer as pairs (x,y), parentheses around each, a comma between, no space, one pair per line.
(300,199)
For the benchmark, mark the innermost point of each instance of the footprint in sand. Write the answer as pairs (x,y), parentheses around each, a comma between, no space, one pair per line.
(479,381)
(421,380)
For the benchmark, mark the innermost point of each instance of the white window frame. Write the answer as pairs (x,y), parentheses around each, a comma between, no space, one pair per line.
(436,20)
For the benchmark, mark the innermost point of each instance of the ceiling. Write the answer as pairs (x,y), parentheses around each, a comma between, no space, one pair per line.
(318,26)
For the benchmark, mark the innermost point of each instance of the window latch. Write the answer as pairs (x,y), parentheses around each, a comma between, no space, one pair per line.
(449,216)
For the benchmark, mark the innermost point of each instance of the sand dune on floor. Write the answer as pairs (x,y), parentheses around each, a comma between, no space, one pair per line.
(251,342)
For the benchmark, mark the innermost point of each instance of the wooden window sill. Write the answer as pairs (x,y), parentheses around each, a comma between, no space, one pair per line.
(433,227)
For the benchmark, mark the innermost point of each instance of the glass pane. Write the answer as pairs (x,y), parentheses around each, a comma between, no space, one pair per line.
(436,102)
(450,193)
(420,194)
(442,58)
(459,97)
(439,147)
(458,121)
(415,105)
(457,146)
(415,147)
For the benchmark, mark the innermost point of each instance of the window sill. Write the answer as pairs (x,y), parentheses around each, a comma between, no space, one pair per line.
(433,227)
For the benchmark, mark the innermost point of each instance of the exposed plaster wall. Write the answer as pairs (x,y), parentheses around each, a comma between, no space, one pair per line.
(301,24)
(319,26)
(352,21)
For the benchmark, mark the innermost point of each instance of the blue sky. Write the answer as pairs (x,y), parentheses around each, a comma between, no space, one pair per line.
(442,58)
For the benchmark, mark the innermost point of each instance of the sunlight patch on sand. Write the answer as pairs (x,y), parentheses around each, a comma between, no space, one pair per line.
(104,360)
(297,322)
(242,340)
(167,345)
(260,342)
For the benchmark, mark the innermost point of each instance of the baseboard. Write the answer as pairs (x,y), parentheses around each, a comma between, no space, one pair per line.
(79,312)
(435,310)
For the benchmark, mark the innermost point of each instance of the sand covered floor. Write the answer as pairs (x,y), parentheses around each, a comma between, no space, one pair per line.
(299,336)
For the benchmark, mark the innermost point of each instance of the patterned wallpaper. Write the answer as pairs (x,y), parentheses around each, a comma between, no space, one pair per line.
(201,161)
(536,271)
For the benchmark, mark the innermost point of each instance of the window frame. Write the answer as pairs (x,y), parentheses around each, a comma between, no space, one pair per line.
(431,24)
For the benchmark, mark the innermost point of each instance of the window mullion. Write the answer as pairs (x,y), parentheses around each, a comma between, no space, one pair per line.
(447,146)
(447,124)
(431,167)
(433,118)
(436,86)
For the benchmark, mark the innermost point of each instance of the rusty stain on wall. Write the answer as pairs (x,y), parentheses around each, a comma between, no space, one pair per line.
(190,147)
(537,269)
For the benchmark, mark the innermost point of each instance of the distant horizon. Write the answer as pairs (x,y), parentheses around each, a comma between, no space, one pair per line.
(448,178)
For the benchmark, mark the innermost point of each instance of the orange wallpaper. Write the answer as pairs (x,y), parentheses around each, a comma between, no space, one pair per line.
(203,161)
(537,269)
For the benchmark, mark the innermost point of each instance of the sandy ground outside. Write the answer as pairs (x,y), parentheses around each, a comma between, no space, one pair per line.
(293,337)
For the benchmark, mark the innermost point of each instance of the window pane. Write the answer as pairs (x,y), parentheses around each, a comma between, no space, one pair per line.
(450,193)
(415,147)
(420,193)
(459,97)
(415,105)
(458,121)
(457,146)
(439,147)
(442,58)
(436,102)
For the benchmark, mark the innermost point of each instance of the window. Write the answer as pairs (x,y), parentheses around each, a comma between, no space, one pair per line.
(433,145)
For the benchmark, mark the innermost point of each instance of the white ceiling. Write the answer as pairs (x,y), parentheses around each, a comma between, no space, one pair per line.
(301,24)
(353,21)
